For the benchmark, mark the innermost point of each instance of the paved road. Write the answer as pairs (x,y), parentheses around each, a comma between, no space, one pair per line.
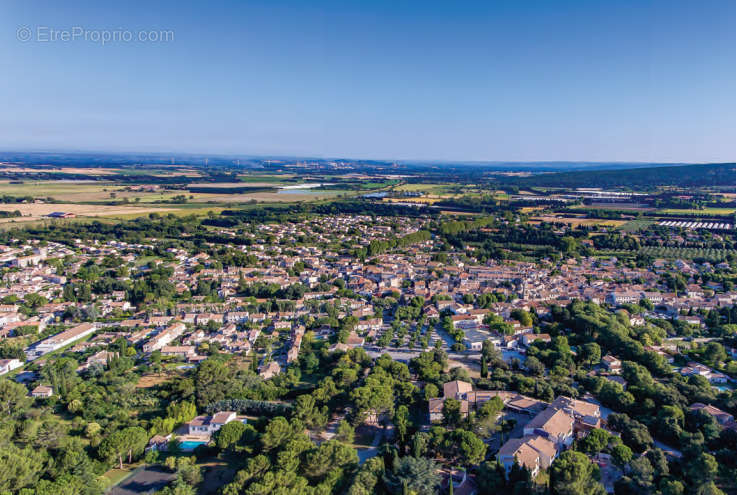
(667,449)
(368,452)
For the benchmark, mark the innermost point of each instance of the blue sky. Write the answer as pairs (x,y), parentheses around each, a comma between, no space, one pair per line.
(490,80)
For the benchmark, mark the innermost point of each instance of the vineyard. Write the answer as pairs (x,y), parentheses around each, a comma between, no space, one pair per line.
(708,254)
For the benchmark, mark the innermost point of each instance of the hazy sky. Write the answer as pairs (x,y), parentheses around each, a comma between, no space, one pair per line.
(611,80)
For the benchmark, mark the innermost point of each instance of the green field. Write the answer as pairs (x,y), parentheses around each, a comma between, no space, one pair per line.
(705,211)
(636,225)
(712,255)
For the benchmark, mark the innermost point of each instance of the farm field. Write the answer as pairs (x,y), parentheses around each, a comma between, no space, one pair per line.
(635,225)
(424,188)
(91,191)
(32,211)
(712,255)
(530,209)
(423,200)
(61,170)
(271,179)
(705,211)
(76,191)
(576,221)
(614,206)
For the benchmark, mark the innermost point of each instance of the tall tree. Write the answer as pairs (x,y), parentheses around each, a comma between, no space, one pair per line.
(573,474)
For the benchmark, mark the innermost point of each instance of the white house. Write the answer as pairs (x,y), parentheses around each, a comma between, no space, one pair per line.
(207,425)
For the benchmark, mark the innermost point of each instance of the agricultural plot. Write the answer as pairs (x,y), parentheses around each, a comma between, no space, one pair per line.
(575,221)
(422,188)
(635,225)
(96,192)
(32,211)
(704,212)
(61,170)
(711,255)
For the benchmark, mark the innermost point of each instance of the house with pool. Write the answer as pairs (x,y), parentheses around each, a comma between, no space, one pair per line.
(197,432)
(205,426)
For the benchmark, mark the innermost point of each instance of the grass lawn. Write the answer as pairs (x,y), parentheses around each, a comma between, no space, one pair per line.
(145,260)
(117,475)
(148,381)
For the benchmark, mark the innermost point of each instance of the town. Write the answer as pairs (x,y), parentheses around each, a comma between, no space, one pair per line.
(353,343)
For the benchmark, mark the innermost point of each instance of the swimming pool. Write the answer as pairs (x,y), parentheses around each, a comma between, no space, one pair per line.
(190,444)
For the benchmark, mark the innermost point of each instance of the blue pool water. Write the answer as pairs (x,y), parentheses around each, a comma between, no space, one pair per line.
(190,445)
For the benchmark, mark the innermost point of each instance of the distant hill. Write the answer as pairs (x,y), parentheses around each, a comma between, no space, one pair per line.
(713,174)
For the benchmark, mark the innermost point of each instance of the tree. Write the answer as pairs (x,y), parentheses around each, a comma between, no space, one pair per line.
(451,412)
(129,442)
(431,391)
(671,487)
(419,444)
(534,366)
(703,469)
(595,441)
(34,300)
(278,432)
(309,412)
(491,478)
(487,415)
(670,422)
(367,477)
(522,316)
(416,475)
(329,455)
(179,487)
(634,434)
(346,433)
(642,472)
(568,245)
(709,489)
(491,354)
(62,375)
(573,474)
(714,353)
(466,447)
(230,435)
(659,462)
(13,398)
(401,422)
(92,430)
(212,381)
(590,353)
(622,455)
(19,467)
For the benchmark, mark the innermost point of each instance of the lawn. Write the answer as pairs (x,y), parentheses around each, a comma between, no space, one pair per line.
(117,475)
(149,381)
